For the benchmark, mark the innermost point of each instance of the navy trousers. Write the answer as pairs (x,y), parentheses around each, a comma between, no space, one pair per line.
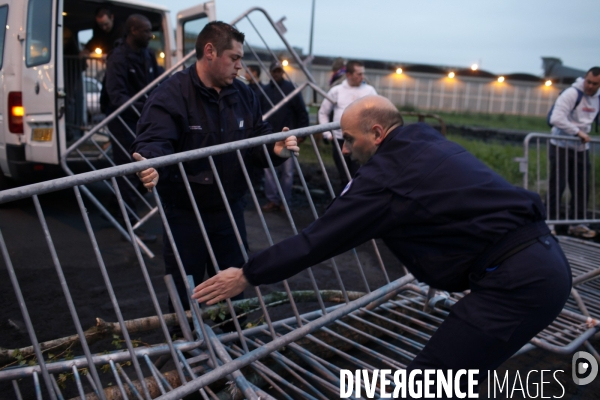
(505,309)
(192,248)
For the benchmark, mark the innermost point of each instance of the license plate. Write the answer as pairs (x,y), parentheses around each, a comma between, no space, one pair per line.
(42,134)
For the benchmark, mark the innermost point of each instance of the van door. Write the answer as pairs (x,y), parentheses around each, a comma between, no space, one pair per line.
(189,24)
(43,22)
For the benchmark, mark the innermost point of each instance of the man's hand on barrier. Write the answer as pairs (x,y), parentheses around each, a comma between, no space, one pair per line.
(284,148)
(149,177)
(583,136)
(223,285)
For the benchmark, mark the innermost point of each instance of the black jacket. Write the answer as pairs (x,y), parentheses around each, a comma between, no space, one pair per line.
(293,114)
(107,41)
(128,72)
(441,211)
(183,114)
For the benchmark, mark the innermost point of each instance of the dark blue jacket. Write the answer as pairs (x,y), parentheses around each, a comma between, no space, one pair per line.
(293,114)
(183,114)
(441,211)
(128,72)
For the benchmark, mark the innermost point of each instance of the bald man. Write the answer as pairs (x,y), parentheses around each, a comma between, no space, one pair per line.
(452,221)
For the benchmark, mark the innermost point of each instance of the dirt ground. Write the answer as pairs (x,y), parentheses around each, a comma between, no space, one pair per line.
(49,312)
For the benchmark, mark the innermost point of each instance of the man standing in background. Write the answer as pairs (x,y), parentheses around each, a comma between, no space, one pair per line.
(572,115)
(351,89)
(292,114)
(130,68)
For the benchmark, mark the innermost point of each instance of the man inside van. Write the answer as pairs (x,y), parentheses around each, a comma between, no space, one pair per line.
(105,33)
(199,107)
(129,68)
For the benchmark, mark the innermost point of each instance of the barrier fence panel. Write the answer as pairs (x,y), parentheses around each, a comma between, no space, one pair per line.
(135,368)
(98,143)
(353,312)
(565,176)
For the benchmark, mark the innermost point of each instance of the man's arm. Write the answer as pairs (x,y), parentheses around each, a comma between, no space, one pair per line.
(364,212)
(324,112)
(157,131)
(116,80)
(563,107)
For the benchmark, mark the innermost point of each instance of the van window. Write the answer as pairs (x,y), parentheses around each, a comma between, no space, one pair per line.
(191,29)
(39,32)
(3,17)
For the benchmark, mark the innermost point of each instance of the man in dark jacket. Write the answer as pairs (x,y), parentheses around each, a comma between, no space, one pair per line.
(130,67)
(452,221)
(203,106)
(292,114)
(106,32)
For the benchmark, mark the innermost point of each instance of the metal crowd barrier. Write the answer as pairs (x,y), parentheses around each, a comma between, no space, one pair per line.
(95,148)
(294,354)
(578,204)
(200,358)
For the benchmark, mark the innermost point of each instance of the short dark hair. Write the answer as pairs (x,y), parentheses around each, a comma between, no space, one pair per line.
(594,71)
(102,11)
(255,69)
(350,65)
(133,21)
(220,34)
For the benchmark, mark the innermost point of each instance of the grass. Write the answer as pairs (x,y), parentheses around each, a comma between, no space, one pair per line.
(494,121)
(480,120)
(497,155)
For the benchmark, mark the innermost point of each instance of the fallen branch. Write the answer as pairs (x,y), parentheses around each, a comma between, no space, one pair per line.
(104,329)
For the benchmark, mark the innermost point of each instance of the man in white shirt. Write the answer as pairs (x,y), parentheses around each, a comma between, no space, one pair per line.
(572,115)
(351,89)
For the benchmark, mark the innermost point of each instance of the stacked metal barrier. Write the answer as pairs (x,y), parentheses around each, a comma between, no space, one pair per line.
(298,356)
(536,169)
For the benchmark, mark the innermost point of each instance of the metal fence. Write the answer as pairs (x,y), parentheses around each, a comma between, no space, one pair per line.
(565,178)
(296,353)
(106,143)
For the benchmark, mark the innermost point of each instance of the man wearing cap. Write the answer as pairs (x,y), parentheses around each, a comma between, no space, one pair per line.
(451,220)
(293,115)
(203,106)
(351,89)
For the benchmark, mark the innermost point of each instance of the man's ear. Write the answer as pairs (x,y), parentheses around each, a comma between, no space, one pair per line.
(210,52)
(378,131)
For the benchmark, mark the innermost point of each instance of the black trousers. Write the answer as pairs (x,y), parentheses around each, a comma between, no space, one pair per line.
(505,309)
(568,168)
(339,163)
(192,248)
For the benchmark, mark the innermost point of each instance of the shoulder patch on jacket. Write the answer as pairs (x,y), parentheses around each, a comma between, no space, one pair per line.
(346,188)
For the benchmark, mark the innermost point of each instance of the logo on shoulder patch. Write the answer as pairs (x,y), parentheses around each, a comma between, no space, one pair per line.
(346,188)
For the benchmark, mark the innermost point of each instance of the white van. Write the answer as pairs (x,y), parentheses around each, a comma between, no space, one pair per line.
(36,76)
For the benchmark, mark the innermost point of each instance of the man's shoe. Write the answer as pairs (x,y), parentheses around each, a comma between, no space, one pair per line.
(270,206)
(582,231)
